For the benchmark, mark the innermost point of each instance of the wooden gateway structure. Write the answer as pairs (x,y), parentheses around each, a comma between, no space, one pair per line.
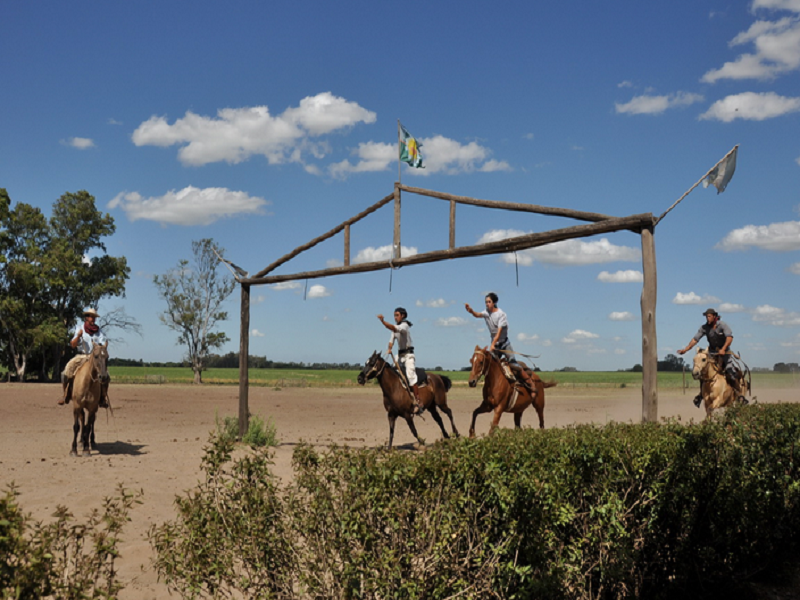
(642,224)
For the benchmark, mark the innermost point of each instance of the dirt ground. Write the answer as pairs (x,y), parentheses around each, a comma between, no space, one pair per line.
(154,441)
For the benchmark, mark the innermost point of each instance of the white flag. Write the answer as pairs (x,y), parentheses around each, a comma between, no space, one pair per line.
(722,173)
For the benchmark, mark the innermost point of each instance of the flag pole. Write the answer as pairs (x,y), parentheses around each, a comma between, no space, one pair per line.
(399,162)
(674,204)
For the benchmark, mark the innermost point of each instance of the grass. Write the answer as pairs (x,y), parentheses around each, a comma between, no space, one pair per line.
(280,378)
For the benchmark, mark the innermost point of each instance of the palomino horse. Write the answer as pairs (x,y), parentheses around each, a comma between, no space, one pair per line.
(499,395)
(86,390)
(397,400)
(714,386)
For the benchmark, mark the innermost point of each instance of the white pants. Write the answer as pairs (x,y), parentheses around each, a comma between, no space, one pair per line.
(408,362)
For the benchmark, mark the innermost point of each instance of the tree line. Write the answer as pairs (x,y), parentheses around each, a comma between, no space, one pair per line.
(231,361)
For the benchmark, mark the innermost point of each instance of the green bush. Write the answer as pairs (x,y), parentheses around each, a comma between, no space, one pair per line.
(64,558)
(621,511)
(259,433)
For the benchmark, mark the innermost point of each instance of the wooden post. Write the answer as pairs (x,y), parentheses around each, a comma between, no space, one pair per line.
(347,245)
(396,249)
(649,343)
(244,353)
(452,224)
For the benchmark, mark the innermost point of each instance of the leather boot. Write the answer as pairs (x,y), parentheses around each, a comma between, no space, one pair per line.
(418,410)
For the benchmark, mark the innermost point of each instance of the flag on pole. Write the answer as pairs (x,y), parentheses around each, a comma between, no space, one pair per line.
(720,175)
(409,148)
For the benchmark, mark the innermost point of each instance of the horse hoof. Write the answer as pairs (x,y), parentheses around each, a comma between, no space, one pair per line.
(86,453)
(73,453)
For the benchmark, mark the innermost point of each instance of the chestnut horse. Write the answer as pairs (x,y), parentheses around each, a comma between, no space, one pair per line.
(499,395)
(86,390)
(397,400)
(714,387)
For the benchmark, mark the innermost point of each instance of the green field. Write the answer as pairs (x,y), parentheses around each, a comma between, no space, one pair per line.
(337,378)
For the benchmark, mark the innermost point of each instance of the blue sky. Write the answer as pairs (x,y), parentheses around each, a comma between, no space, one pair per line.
(263,125)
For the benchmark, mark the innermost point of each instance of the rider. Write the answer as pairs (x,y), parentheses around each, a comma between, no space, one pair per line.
(86,334)
(401,332)
(497,322)
(720,337)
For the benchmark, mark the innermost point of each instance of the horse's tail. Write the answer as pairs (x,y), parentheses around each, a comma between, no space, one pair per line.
(549,384)
(447,382)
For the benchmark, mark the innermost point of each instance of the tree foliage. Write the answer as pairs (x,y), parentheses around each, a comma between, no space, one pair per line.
(50,270)
(194,294)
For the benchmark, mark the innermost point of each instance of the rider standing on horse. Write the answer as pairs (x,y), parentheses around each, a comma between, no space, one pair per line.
(720,337)
(497,322)
(86,335)
(401,331)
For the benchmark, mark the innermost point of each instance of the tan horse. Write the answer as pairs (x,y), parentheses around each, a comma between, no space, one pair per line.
(86,390)
(499,395)
(397,399)
(714,387)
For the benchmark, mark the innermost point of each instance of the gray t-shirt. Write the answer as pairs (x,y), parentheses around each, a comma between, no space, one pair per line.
(495,321)
(715,335)
(402,335)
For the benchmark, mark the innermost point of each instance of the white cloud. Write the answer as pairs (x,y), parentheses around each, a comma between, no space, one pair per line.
(795,268)
(579,334)
(567,252)
(256,333)
(436,303)
(778,317)
(189,206)
(751,106)
(382,253)
(318,291)
(372,156)
(236,134)
(655,105)
(629,276)
(527,339)
(776,47)
(692,298)
(621,316)
(778,237)
(439,154)
(451,322)
(728,307)
(285,285)
(79,142)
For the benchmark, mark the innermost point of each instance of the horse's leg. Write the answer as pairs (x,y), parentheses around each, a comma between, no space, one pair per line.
(76,427)
(413,429)
(438,418)
(87,433)
(483,408)
(446,410)
(498,412)
(538,403)
(392,418)
(518,420)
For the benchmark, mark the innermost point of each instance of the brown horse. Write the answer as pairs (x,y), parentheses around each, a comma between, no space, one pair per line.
(500,395)
(397,400)
(86,390)
(714,387)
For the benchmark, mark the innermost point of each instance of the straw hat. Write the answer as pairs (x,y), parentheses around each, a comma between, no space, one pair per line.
(90,312)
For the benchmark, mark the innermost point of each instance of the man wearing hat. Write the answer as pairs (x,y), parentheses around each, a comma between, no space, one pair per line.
(720,337)
(86,334)
(401,331)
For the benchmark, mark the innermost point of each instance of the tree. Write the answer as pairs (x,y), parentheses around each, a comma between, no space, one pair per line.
(50,270)
(194,295)
(671,363)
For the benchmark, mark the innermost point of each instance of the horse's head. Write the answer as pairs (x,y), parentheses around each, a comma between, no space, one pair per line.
(100,358)
(701,360)
(372,368)
(480,365)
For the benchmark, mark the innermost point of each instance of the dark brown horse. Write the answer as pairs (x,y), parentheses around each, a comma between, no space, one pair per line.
(500,395)
(397,400)
(86,390)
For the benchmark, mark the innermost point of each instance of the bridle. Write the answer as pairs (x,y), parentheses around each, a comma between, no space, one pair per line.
(376,372)
(711,365)
(484,367)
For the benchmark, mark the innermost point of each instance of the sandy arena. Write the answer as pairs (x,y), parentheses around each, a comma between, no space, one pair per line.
(154,441)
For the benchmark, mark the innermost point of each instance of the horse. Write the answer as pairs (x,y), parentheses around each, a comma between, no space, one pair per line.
(714,386)
(500,395)
(86,391)
(398,400)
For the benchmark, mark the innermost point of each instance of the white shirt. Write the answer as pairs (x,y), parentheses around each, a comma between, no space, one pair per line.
(85,343)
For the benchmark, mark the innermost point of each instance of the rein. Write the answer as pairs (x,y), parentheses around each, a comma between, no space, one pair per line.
(485,367)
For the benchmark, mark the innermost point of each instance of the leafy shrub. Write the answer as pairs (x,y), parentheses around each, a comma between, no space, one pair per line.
(64,558)
(259,433)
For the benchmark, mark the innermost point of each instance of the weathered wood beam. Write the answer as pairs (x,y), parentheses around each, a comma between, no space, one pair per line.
(649,342)
(244,353)
(635,223)
(516,206)
(323,237)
